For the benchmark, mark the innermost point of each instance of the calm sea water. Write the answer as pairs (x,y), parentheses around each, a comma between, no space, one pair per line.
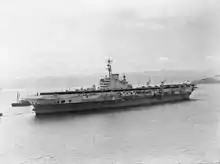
(186,132)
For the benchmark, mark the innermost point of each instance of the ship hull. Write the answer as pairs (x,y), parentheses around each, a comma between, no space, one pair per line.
(40,109)
(19,105)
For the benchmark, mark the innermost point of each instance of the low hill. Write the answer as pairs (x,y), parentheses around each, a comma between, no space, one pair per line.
(88,80)
(208,80)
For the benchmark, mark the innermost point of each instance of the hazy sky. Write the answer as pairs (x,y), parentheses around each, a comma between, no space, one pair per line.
(62,37)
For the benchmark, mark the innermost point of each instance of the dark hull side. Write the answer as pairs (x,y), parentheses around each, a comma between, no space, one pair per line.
(83,106)
(20,104)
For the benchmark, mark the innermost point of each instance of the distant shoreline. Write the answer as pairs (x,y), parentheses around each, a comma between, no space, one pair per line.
(209,80)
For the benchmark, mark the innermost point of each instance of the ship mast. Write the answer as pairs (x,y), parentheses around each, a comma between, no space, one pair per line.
(109,67)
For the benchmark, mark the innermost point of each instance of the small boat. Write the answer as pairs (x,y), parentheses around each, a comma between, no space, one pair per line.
(1,114)
(20,102)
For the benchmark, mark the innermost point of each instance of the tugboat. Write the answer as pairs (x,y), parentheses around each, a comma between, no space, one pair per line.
(20,102)
(112,92)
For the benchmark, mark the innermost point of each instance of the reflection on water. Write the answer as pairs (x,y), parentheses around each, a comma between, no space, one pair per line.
(186,132)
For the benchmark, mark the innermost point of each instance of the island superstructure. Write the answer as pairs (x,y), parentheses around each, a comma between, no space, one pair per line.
(112,92)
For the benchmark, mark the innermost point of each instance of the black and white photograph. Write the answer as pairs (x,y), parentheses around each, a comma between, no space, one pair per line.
(110,82)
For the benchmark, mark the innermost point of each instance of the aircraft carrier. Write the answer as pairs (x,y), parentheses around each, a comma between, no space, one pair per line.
(112,92)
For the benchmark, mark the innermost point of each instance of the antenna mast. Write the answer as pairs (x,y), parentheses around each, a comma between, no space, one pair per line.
(109,67)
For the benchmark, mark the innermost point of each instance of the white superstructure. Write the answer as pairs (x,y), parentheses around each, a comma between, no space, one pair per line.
(113,81)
